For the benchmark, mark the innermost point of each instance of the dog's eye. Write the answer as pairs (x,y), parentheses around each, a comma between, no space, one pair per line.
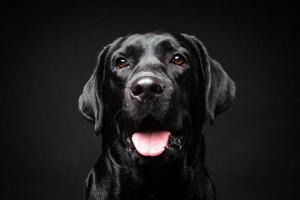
(121,63)
(178,59)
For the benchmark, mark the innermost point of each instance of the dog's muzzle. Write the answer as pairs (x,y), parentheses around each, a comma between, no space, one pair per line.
(147,94)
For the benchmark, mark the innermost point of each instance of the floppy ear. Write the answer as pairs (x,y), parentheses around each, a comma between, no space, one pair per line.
(90,102)
(220,90)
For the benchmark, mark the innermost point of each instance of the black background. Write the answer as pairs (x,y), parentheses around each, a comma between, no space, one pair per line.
(50,51)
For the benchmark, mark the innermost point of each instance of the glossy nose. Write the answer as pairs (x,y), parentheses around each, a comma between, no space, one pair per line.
(147,88)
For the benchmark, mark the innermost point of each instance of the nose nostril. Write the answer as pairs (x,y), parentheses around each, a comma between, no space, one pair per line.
(137,90)
(156,88)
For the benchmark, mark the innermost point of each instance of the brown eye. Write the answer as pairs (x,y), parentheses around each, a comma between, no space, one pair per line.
(179,60)
(121,63)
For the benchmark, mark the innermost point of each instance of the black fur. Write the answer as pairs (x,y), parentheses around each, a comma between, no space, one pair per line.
(192,94)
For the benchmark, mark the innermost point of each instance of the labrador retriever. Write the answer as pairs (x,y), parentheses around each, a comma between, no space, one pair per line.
(150,97)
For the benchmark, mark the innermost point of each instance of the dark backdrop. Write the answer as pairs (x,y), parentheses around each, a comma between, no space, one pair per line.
(50,51)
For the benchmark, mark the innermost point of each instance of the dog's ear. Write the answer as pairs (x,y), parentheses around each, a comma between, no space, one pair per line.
(91,100)
(219,89)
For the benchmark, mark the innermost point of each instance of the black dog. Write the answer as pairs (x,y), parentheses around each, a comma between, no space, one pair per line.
(150,96)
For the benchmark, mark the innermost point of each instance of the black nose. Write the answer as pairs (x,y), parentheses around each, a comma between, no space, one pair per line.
(147,88)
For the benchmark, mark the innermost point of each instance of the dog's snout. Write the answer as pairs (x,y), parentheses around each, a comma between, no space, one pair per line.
(147,87)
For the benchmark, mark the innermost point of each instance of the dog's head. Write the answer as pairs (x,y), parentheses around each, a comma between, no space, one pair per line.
(152,92)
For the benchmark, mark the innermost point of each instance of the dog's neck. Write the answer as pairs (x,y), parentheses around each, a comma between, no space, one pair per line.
(156,181)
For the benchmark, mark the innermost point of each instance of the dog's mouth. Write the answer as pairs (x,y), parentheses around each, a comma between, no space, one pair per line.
(150,143)
(151,138)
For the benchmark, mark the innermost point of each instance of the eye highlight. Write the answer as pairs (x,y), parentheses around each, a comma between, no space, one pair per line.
(179,60)
(121,63)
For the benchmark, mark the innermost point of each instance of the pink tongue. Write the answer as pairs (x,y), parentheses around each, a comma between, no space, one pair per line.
(150,143)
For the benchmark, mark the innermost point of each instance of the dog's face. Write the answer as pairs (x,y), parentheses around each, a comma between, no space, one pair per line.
(150,67)
(153,92)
